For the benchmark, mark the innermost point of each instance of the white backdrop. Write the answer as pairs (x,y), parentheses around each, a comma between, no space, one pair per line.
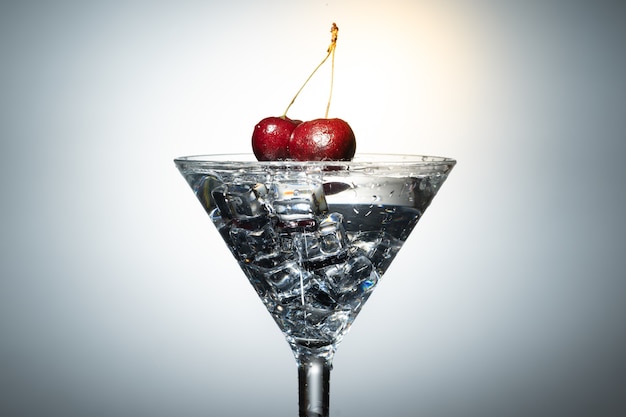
(117,297)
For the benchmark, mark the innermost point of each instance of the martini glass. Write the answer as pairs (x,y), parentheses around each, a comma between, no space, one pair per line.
(314,239)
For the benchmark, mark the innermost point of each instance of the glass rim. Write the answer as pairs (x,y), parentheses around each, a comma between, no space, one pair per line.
(362,159)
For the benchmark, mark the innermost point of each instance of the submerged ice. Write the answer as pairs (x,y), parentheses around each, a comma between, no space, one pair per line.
(313,264)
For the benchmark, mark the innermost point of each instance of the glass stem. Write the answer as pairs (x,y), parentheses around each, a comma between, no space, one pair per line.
(314,386)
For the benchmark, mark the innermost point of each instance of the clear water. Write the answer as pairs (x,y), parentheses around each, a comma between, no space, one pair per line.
(313,249)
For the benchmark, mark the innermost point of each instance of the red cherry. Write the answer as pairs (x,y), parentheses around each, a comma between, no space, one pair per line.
(271,137)
(322,139)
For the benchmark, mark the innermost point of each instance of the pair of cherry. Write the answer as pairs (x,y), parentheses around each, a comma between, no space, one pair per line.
(280,138)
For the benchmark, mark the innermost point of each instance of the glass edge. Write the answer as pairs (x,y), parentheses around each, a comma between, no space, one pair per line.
(224,159)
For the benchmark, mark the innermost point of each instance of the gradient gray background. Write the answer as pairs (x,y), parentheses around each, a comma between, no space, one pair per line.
(118,299)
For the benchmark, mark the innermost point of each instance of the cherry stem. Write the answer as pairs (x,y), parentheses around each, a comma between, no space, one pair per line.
(332,48)
(331,51)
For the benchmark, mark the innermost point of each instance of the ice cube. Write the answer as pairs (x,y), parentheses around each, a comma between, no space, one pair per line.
(298,201)
(355,276)
(307,245)
(240,201)
(320,295)
(288,279)
(335,276)
(335,325)
(332,234)
(325,246)
(381,248)
(362,274)
(249,245)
